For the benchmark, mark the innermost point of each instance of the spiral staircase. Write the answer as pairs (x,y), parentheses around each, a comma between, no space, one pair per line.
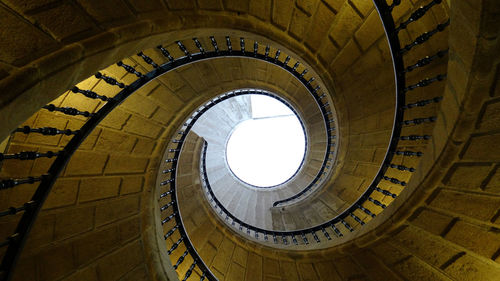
(122,176)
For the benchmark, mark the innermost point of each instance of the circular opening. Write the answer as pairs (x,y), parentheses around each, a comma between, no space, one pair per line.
(269,148)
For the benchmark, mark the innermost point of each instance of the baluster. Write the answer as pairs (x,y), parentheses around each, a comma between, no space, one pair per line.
(174,246)
(256,235)
(295,66)
(67,110)
(294,239)
(409,153)
(265,236)
(255,48)
(310,81)
(166,193)
(165,53)
(190,271)
(167,219)
(28,155)
(275,239)
(10,183)
(402,168)
(415,137)
(287,59)
(336,230)
(242,45)
(129,69)
(425,82)
(315,90)
(181,259)
(147,59)
(248,229)
(304,238)
(183,49)
(171,231)
(13,210)
(283,237)
(356,218)
(266,54)
(164,207)
(385,192)
(228,43)
(14,238)
(46,131)
(420,12)
(110,80)
(167,181)
(203,276)
(368,212)
(171,160)
(394,180)
(376,202)
(425,36)
(394,4)
(198,44)
(315,236)
(347,225)
(423,102)
(326,234)
(214,43)
(303,73)
(276,57)
(168,170)
(418,121)
(90,94)
(425,61)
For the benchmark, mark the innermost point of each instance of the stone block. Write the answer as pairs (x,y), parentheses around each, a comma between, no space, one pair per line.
(459,175)
(92,189)
(184,5)
(468,267)
(116,209)
(288,270)
(140,105)
(427,247)
(480,240)
(129,229)
(142,127)
(41,234)
(493,184)
(140,273)
(326,271)
(236,272)
(131,184)
(106,11)
(240,256)
(299,24)
(144,146)
(307,271)
(85,274)
(321,23)
(364,7)
(483,147)
(431,221)
(63,193)
(73,221)
(481,207)
(22,42)
(415,269)
(55,262)
(86,163)
(346,22)
(63,21)
(223,257)
(375,268)
(97,243)
(254,267)
(115,119)
(240,6)
(112,141)
(346,58)
(490,118)
(282,13)
(370,31)
(125,164)
(118,263)
(347,268)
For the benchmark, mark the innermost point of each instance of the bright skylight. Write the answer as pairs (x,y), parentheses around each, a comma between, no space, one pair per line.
(267,149)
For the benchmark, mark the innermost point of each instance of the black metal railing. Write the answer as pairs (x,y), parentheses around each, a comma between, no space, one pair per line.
(370,203)
(31,209)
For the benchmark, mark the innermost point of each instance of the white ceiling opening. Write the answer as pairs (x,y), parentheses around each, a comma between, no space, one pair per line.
(268,149)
